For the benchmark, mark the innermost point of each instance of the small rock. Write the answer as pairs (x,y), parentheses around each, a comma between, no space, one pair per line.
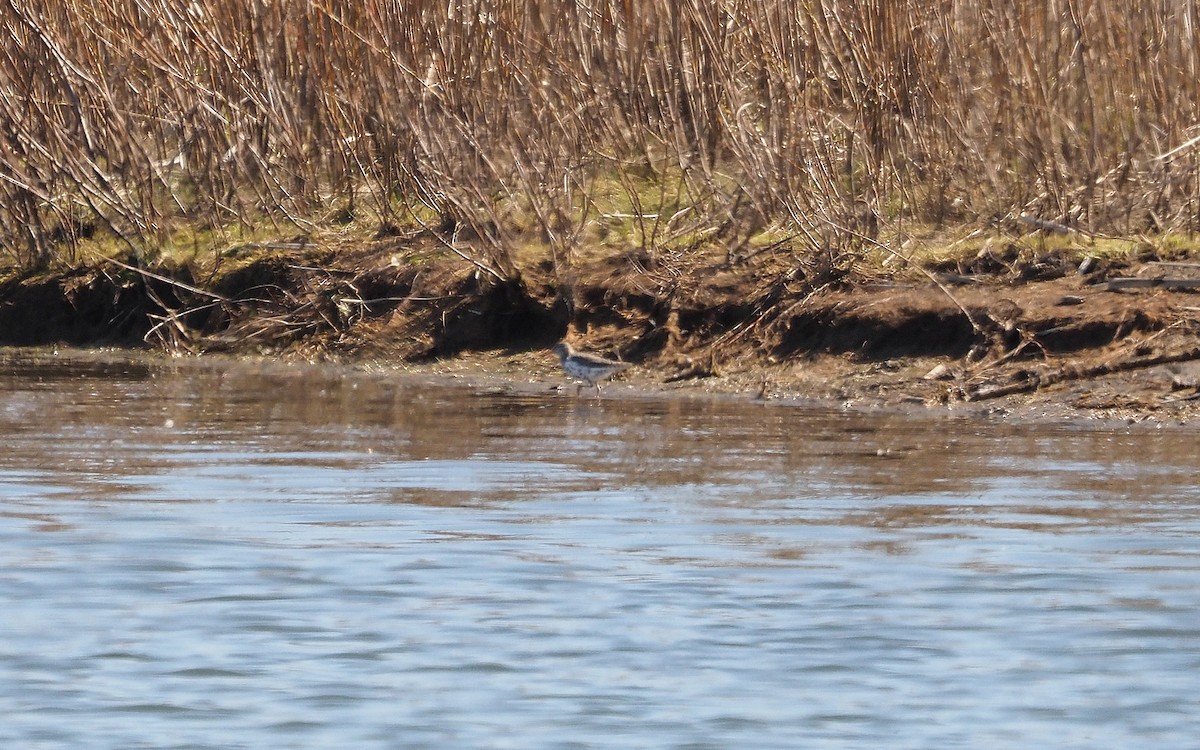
(1070,299)
(941,372)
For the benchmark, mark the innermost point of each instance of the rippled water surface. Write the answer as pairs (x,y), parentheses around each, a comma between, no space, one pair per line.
(226,555)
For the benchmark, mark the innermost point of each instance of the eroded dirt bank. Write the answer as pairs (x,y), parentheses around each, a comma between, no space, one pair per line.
(1030,334)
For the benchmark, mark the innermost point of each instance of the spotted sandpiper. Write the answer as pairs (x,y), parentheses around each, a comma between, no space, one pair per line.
(587,367)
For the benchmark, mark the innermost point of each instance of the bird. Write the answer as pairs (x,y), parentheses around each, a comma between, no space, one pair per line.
(590,368)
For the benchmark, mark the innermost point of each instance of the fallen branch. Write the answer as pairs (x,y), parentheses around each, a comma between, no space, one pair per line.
(1037,382)
(1116,285)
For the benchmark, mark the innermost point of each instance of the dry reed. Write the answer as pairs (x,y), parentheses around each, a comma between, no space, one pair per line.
(688,120)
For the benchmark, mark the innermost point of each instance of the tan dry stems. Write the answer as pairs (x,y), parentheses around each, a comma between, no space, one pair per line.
(824,118)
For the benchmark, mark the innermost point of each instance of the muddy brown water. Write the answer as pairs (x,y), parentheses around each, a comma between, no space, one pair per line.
(219,554)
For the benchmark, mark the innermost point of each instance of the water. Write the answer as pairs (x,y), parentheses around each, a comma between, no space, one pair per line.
(215,555)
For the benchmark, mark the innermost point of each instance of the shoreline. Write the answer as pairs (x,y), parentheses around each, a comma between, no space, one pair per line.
(1040,339)
(500,374)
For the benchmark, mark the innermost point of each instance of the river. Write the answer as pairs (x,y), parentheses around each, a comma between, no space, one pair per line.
(214,554)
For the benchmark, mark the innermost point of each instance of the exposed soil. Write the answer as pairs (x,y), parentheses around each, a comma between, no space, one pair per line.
(1029,336)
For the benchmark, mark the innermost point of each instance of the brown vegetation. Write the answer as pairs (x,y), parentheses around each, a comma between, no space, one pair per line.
(667,125)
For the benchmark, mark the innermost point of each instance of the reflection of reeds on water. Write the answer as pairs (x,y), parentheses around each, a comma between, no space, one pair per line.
(671,124)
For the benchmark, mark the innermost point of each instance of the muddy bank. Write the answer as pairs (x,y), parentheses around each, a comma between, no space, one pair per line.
(1053,333)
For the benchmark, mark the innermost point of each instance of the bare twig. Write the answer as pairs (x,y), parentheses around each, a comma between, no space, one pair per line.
(167,280)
